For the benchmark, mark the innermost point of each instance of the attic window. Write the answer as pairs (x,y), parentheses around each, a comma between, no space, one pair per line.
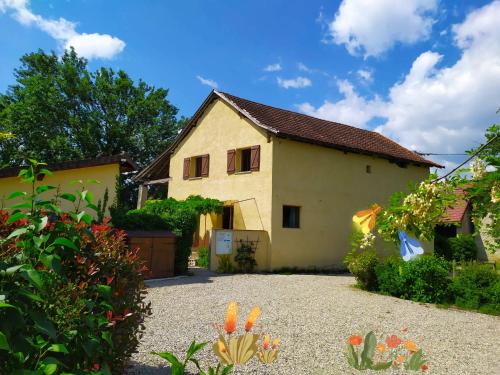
(368,169)
(245,158)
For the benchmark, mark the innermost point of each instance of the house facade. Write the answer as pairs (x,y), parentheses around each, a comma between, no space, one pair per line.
(294,180)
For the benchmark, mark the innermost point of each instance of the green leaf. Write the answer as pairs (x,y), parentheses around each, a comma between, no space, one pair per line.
(68,197)
(20,206)
(4,344)
(13,269)
(17,232)
(16,194)
(45,171)
(415,361)
(193,348)
(89,197)
(108,337)
(58,348)
(227,369)
(28,294)
(87,219)
(33,276)
(93,181)
(50,369)
(44,325)
(42,224)
(43,188)
(352,357)
(52,261)
(368,350)
(172,359)
(15,217)
(381,366)
(66,243)
(104,290)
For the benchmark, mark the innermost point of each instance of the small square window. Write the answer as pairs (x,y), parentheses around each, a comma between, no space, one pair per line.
(291,217)
(368,169)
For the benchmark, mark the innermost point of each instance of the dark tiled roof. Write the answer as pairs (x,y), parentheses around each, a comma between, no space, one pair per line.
(125,162)
(326,133)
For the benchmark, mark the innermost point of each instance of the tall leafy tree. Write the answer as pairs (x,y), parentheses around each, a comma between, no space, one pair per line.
(59,110)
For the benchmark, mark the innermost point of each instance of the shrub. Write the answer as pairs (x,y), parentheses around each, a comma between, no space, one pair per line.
(388,274)
(203,257)
(178,217)
(245,257)
(460,248)
(224,264)
(72,292)
(426,279)
(477,286)
(463,247)
(362,266)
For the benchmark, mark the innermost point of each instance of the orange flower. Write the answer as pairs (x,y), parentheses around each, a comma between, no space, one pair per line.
(393,341)
(265,344)
(401,358)
(231,317)
(380,348)
(355,340)
(252,317)
(411,346)
(275,343)
(424,367)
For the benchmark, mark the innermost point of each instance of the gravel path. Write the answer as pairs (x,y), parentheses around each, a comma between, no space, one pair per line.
(313,315)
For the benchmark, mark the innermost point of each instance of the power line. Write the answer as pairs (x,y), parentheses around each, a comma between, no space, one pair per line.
(434,153)
(479,150)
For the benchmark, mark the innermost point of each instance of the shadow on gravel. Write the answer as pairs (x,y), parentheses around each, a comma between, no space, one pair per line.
(137,368)
(196,276)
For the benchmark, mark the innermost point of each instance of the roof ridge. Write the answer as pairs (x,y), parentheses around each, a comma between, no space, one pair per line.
(299,113)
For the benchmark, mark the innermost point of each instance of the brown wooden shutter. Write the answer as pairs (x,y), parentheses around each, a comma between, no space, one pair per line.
(205,164)
(185,173)
(255,158)
(231,163)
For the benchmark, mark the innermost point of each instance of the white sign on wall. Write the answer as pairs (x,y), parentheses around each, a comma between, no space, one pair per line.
(223,242)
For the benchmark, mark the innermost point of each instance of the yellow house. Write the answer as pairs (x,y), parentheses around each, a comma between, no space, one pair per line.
(104,169)
(290,182)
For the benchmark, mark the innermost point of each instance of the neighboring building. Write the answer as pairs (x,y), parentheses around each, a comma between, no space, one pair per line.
(458,220)
(105,169)
(289,180)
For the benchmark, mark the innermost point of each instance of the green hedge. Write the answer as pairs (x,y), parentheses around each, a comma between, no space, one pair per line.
(176,216)
(429,279)
(460,248)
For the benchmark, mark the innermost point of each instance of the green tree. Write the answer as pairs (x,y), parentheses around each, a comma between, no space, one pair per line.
(59,110)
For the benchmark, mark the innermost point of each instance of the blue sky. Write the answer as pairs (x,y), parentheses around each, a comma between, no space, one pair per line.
(423,72)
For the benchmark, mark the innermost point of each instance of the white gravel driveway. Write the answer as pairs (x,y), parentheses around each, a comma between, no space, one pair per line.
(314,315)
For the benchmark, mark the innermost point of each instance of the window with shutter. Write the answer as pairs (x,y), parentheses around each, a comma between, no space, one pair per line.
(185,173)
(231,162)
(255,158)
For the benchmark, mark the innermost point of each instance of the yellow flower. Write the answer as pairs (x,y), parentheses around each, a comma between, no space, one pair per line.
(380,348)
(231,317)
(252,317)
(411,346)
(365,220)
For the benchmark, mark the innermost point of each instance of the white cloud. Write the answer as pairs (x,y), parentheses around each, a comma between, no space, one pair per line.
(273,68)
(91,46)
(208,82)
(295,83)
(436,109)
(373,27)
(365,75)
(304,68)
(353,109)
